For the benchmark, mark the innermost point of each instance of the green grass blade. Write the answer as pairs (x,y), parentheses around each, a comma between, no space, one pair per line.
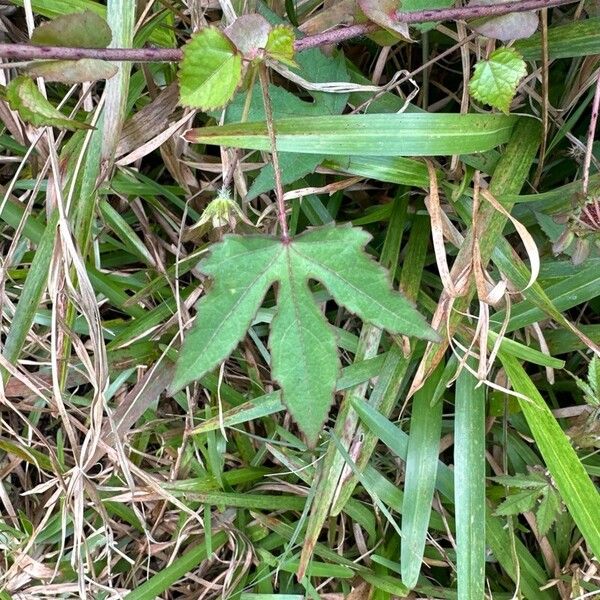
(528,572)
(164,579)
(126,234)
(32,292)
(120,16)
(394,169)
(13,212)
(576,289)
(419,483)
(469,486)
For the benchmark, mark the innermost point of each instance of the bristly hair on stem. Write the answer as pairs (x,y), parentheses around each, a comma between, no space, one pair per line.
(264,84)
(333,36)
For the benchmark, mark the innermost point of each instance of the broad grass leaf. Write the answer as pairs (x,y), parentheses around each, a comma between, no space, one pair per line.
(575,38)
(80,30)
(419,485)
(408,134)
(304,357)
(24,97)
(469,484)
(495,80)
(210,71)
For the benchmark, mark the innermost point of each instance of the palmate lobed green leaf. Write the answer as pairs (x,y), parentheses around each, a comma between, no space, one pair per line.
(548,510)
(304,352)
(304,356)
(518,503)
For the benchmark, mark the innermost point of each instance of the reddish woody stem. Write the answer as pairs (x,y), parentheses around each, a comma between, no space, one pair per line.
(30,52)
(590,140)
(333,36)
(474,11)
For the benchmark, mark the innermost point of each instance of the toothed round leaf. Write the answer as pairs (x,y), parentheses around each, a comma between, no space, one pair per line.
(210,71)
(280,45)
(495,80)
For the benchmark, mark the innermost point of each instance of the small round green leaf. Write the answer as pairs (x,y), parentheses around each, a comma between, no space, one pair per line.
(280,45)
(210,71)
(495,80)
(79,30)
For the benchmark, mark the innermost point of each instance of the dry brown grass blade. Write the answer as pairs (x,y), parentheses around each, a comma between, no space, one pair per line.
(453,288)
(135,403)
(149,121)
(154,142)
